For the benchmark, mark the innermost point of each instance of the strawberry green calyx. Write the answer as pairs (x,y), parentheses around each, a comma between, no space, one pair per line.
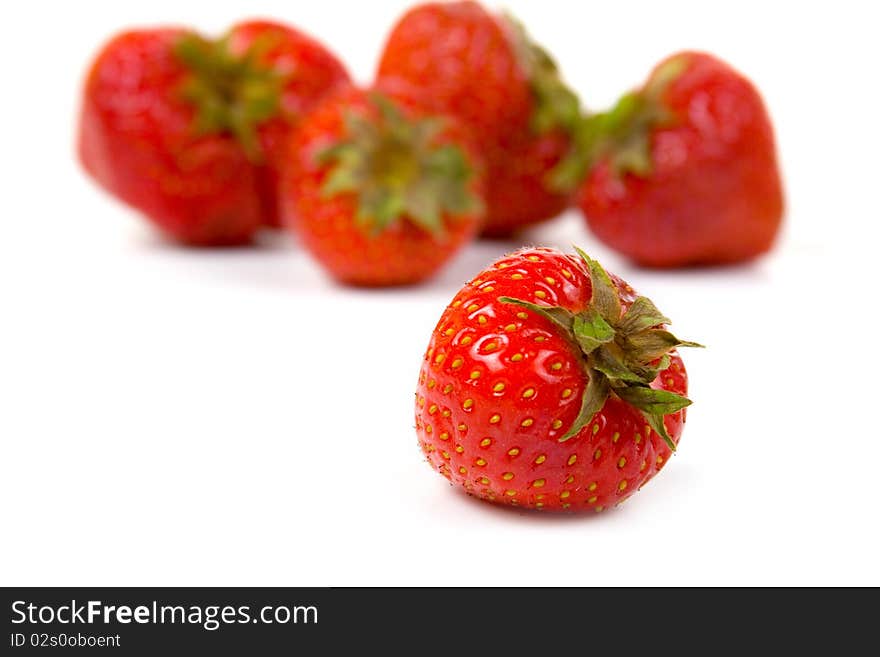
(623,352)
(232,93)
(621,134)
(557,107)
(397,169)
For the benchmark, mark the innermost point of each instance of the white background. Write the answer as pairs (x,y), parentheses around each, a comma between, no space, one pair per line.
(172,417)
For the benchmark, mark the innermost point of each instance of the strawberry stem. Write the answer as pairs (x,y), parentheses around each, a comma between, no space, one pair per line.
(231,93)
(557,106)
(397,169)
(622,352)
(621,134)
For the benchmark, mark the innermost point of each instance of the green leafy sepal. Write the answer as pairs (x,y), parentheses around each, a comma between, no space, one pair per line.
(621,134)
(623,352)
(397,168)
(232,93)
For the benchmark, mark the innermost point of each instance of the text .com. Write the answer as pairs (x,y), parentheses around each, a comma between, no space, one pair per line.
(210,617)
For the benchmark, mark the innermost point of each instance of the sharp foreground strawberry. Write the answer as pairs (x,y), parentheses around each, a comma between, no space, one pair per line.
(190,131)
(507,90)
(549,384)
(379,193)
(684,170)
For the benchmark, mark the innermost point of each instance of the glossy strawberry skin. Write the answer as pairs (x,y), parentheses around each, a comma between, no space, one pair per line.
(400,255)
(465,62)
(714,194)
(138,139)
(312,73)
(497,389)
(519,195)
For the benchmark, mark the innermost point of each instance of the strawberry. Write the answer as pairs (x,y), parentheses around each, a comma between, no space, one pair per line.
(190,131)
(684,170)
(379,192)
(507,90)
(550,384)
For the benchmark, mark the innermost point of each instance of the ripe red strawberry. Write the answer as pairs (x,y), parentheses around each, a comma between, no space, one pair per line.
(379,193)
(506,89)
(685,168)
(190,131)
(549,384)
